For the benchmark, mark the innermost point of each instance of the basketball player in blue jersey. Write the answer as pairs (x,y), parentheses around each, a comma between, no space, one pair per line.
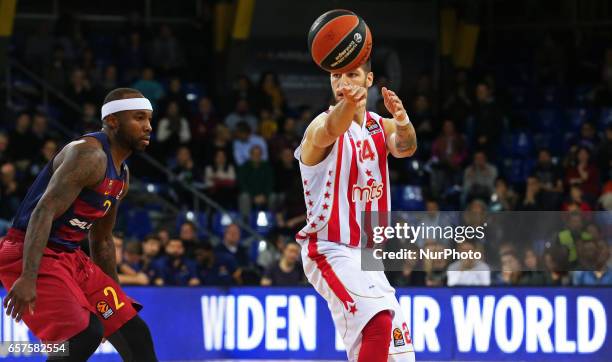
(59,292)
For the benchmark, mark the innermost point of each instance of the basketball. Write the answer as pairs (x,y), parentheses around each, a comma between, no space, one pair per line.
(339,41)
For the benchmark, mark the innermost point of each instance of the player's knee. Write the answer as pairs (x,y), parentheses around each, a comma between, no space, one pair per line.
(84,344)
(379,326)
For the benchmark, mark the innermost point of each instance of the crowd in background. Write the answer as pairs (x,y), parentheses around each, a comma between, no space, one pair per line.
(476,150)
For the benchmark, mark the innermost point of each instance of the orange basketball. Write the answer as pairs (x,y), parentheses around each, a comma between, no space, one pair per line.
(339,41)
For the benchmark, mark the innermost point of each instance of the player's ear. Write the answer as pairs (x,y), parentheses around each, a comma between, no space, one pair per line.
(111,121)
(369,79)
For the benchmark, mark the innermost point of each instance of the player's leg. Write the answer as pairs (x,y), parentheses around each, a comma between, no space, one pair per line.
(123,327)
(375,334)
(84,344)
(133,341)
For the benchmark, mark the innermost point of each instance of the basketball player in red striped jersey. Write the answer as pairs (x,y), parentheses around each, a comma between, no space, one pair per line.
(343,162)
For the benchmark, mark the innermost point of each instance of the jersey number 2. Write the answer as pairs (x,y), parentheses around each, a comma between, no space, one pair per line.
(111,290)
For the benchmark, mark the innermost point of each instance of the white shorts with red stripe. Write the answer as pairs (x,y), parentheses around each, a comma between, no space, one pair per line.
(354,296)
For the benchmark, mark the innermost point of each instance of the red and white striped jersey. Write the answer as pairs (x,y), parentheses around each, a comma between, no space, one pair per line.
(353,178)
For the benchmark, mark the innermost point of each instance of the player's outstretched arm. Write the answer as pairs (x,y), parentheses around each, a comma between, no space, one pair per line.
(101,243)
(325,129)
(399,132)
(79,167)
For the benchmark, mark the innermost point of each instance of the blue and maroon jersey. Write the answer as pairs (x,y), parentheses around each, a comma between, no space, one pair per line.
(69,229)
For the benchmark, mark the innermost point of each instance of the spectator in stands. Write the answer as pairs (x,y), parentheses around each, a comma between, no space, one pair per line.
(605,200)
(504,198)
(537,199)
(188,233)
(510,273)
(575,198)
(79,91)
(409,275)
(242,89)
(469,271)
(151,251)
(458,105)
(4,148)
(596,270)
(164,236)
(22,145)
(479,178)
(10,191)
(203,123)
(288,271)
(110,79)
(555,261)
(173,130)
(216,269)
(588,137)
(47,152)
(230,247)
(604,155)
(449,152)
(220,180)
(584,174)
(287,137)
(40,129)
(90,120)
(570,236)
(166,51)
(185,170)
(57,69)
(423,120)
(175,268)
(548,174)
(244,143)
(127,274)
(256,180)
(222,141)
(149,87)
(435,269)
(286,175)
(488,120)
(241,114)
(270,255)
(133,58)
(268,127)
(270,94)
(532,271)
(175,94)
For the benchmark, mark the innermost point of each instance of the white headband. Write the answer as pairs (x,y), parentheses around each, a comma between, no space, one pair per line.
(128,104)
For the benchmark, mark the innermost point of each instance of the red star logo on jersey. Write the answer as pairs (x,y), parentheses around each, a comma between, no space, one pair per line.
(325,207)
(310,203)
(307,193)
(353,308)
(328,184)
(330,172)
(310,214)
(313,225)
(305,182)
(327,195)
(369,173)
(321,218)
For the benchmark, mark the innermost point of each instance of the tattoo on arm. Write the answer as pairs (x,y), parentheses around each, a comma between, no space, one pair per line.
(78,169)
(405,138)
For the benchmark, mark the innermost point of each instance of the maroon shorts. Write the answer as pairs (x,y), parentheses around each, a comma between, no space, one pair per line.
(69,287)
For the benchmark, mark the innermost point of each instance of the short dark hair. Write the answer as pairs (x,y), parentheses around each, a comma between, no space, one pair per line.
(367,65)
(121,93)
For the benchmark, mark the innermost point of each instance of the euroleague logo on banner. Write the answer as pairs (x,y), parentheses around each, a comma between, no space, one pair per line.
(105,310)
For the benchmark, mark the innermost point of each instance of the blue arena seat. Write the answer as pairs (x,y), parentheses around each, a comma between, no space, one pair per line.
(409,198)
(262,221)
(222,220)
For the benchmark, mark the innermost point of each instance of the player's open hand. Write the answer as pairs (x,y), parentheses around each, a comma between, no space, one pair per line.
(394,105)
(21,297)
(353,94)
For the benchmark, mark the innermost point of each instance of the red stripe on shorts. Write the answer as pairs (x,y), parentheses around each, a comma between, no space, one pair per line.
(328,273)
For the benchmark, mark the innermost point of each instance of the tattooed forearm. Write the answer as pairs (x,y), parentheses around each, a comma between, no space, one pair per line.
(36,240)
(405,139)
(103,254)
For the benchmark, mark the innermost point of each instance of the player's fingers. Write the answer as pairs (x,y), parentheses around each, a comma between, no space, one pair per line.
(15,310)
(7,299)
